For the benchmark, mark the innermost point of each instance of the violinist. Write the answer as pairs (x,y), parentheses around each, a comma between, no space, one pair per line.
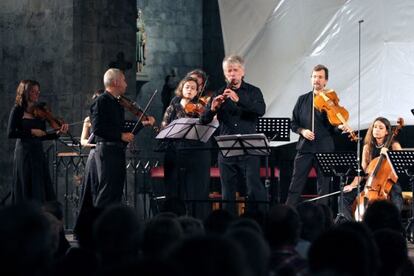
(374,145)
(107,117)
(187,172)
(31,177)
(238,106)
(316,135)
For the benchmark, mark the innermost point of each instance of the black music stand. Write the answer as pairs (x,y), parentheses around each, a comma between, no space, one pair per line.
(188,128)
(402,162)
(243,144)
(342,164)
(275,129)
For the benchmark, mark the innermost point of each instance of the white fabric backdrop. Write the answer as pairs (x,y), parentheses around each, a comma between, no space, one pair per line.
(282,40)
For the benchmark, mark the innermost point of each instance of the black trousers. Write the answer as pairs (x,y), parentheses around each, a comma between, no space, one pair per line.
(243,167)
(187,176)
(110,165)
(302,165)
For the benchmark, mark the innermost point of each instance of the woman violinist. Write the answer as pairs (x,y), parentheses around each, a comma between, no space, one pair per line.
(31,177)
(374,145)
(187,172)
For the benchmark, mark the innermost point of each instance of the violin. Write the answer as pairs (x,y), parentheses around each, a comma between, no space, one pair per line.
(133,107)
(329,102)
(195,109)
(42,111)
(380,180)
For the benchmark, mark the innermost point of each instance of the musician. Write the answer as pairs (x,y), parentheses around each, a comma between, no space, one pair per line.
(31,177)
(187,172)
(238,107)
(107,117)
(374,145)
(316,135)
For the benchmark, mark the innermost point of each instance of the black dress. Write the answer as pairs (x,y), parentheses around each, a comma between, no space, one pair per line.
(187,172)
(31,176)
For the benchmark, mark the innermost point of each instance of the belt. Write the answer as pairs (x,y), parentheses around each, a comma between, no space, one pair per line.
(116,144)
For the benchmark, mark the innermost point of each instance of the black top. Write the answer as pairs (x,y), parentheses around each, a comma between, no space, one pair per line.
(240,117)
(20,128)
(302,119)
(107,118)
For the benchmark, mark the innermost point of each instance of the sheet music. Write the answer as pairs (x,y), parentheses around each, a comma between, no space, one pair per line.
(188,128)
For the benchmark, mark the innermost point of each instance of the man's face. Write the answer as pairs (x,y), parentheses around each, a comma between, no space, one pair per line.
(318,80)
(121,84)
(200,81)
(234,73)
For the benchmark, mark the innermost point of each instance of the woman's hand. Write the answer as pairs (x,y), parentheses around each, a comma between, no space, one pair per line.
(63,129)
(37,132)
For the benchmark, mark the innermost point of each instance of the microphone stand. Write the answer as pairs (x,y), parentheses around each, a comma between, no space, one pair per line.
(359,170)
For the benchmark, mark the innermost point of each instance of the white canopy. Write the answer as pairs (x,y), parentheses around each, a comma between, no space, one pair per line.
(282,40)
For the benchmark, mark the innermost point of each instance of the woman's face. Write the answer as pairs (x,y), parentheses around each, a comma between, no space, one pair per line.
(34,94)
(189,90)
(379,130)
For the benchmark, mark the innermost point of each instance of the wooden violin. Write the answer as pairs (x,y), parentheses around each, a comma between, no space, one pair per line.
(133,107)
(195,109)
(42,111)
(328,101)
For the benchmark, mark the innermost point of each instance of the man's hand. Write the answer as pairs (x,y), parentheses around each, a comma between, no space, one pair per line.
(216,103)
(228,93)
(149,122)
(309,135)
(127,137)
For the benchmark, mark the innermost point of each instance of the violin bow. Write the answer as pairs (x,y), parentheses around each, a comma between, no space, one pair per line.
(144,111)
(202,90)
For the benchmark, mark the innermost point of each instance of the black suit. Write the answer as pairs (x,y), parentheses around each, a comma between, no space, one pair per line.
(107,117)
(305,158)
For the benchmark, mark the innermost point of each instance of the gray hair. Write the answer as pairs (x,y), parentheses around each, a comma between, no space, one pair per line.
(233,59)
(110,76)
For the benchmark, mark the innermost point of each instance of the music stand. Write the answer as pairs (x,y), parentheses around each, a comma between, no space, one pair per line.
(243,144)
(190,129)
(342,164)
(275,129)
(402,163)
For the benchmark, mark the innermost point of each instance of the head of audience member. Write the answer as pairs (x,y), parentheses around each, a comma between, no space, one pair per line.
(393,251)
(246,223)
(383,214)
(26,240)
(191,226)
(117,235)
(256,249)
(209,255)
(218,221)
(283,226)
(233,68)
(312,219)
(345,249)
(160,234)
(114,82)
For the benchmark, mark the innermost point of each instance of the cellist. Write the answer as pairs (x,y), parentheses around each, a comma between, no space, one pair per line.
(374,145)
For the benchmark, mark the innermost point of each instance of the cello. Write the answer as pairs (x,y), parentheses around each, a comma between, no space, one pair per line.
(381,178)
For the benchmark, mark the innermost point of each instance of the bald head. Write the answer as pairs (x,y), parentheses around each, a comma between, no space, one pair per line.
(114,81)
